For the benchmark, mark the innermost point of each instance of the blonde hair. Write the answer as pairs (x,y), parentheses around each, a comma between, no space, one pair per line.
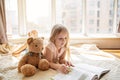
(56,30)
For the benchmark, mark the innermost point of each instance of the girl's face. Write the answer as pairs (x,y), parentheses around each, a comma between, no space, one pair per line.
(61,39)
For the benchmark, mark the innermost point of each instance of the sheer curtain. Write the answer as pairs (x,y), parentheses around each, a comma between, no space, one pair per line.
(4,47)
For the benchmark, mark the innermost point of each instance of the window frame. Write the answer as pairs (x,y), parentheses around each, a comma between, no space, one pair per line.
(22,16)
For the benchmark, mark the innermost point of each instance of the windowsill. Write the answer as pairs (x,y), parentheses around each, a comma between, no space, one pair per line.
(106,36)
(22,39)
(105,41)
(72,36)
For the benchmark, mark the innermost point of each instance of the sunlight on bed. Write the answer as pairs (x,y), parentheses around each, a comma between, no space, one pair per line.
(95,57)
(91,51)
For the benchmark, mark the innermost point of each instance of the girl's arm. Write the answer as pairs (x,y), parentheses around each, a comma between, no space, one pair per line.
(49,56)
(62,58)
(63,61)
(59,67)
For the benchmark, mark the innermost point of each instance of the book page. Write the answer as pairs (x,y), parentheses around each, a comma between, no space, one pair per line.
(82,72)
(93,69)
(73,75)
(76,74)
(89,75)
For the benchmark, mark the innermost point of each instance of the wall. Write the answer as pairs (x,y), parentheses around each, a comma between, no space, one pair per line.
(100,42)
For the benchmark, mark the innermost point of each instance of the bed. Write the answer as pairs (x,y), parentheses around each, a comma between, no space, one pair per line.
(88,54)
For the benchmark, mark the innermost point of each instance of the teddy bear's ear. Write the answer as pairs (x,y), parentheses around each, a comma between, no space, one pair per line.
(29,40)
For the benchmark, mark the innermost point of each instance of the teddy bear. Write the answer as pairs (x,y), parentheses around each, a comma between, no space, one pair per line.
(34,58)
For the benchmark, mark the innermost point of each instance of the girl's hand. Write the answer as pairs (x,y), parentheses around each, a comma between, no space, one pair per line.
(67,63)
(64,69)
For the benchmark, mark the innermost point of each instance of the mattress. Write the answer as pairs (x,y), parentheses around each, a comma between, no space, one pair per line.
(88,54)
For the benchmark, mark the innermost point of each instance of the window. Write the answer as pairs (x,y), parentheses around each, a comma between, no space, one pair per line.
(70,13)
(98,14)
(98,4)
(38,15)
(80,16)
(91,22)
(98,23)
(110,23)
(12,17)
(111,13)
(101,16)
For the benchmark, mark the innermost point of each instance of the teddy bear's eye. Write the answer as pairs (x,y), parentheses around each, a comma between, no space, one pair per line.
(36,45)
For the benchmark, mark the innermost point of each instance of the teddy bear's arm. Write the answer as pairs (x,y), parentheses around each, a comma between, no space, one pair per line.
(22,62)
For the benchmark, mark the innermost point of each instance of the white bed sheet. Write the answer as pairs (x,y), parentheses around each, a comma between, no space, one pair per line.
(92,56)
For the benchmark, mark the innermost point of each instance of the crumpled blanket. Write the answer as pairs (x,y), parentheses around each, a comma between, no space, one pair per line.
(7,63)
(4,48)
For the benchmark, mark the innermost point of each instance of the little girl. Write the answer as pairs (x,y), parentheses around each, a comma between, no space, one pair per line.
(57,49)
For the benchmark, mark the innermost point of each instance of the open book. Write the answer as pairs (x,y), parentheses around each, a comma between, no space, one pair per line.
(82,72)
